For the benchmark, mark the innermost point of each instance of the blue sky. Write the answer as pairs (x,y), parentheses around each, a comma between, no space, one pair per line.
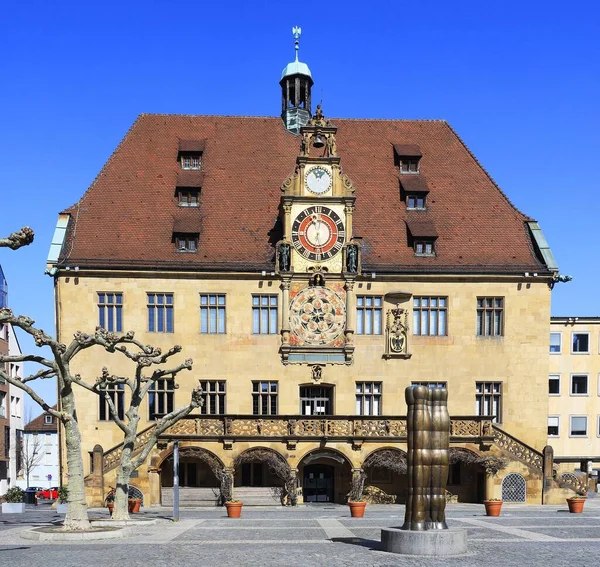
(519,82)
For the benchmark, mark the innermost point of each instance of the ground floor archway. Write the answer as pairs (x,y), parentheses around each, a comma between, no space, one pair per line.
(325,475)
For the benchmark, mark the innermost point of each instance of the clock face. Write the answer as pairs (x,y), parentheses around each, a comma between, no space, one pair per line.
(318,180)
(318,233)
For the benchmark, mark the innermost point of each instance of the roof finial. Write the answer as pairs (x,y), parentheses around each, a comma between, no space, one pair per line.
(297,31)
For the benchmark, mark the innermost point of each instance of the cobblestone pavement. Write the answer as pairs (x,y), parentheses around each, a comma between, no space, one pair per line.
(309,535)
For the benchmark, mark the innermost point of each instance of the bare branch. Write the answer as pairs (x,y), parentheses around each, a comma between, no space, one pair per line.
(157,374)
(18,239)
(34,396)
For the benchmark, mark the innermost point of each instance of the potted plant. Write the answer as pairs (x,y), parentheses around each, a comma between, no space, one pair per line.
(234,508)
(576,503)
(357,509)
(63,495)
(493,506)
(134,505)
(109,500)
(14,504)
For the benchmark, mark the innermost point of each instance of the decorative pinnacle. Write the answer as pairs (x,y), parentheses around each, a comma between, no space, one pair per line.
(297,31)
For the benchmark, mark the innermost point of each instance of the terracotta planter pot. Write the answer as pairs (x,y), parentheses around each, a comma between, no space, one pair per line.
(357,509)
(234,509)
(134,505)
(492,507)
(576,505)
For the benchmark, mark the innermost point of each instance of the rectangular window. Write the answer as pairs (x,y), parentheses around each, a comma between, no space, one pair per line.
(264,314)
(110,311)
(161,398)
(490,316)
(160,312)
(430,315)
(431,384)
(191,161)
(553,425)
(424,248)
(212,313)
(488,400)
(48,419)
(214,397)
(264,398)
(117,395)
(580,343)
(415,201)
(554,384)
(368,314)
(555,343)
(188,197)
(186,242)
(408,165)
(578,426)
(579,385)
(368,398)
(316,400)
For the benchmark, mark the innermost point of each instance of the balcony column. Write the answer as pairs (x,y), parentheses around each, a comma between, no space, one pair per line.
(285,312)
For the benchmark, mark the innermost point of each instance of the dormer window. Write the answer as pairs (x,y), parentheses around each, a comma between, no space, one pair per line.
(416,201)
(409,165)
(191,161)
(188,197)
(186,242)
(424,248)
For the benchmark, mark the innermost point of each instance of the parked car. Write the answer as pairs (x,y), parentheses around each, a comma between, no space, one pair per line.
(34,489)
(49,493)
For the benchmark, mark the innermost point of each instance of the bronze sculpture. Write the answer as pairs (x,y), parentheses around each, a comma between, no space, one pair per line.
(428,428)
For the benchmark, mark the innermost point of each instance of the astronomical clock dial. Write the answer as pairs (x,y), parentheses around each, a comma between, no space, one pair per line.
(318,180)
(318,233)
(317,315)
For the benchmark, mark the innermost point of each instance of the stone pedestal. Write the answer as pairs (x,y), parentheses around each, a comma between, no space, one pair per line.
(428,542)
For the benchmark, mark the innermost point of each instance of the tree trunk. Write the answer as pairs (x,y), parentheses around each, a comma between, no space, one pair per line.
(121,511)
(77,517)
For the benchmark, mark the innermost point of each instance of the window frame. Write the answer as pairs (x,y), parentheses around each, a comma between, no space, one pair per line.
(416,197)
(361,397)
(186,242)
(190,157)
(118,397)
(428,248)
(167,307)
(559,351)
(573,351)
(366,312)
(481,312)
(219,395)
(571,416)
(587,383)
(168,395)
(437,309)
(558,379)
(409,161)
(48,419)
(110,311)
(259,395)
(557,417)
(184,197)
(479,404)
(217,307)
(269,308)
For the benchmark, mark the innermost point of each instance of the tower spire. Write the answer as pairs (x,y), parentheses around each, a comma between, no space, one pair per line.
(296,31)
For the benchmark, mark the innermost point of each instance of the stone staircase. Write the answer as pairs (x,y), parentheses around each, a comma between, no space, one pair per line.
(190,497)
(256,495)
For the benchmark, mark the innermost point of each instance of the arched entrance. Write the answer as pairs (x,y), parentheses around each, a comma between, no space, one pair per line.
(386,480)
(325,476)
(466,475)
(198,478)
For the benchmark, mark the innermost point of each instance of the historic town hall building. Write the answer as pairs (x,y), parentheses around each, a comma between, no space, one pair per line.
(312,267)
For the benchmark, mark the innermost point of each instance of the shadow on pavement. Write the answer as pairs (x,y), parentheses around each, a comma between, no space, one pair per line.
(362,542)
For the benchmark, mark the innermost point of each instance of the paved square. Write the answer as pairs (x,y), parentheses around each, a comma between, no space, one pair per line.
(312,535)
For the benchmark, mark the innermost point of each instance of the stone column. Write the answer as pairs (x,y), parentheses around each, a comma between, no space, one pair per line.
(285,312)
(154,487)
(350,311)
(97,477)
(548,466)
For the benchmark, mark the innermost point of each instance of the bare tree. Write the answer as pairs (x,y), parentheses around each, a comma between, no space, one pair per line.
(134,454)
(18,239)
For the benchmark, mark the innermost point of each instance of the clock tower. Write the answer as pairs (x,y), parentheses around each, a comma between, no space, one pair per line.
(317,258)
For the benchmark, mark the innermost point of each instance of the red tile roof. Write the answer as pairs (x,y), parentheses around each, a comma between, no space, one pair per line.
(126,218)
(39,423)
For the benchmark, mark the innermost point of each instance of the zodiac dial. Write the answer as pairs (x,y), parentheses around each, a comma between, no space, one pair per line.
(317,315)
(318,233)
